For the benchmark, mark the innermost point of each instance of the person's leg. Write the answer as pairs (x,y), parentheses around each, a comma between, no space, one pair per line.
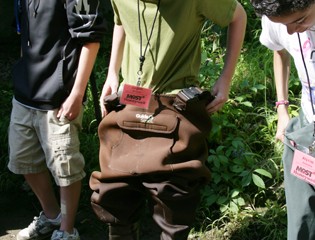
(41,185)
(300,203)
(27,158)
(60,140)
(69,198)
(174,203)
(120,204)
(300,196)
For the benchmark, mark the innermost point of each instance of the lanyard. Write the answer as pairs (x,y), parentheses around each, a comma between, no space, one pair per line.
(142,55)
(312,146)
(307,76)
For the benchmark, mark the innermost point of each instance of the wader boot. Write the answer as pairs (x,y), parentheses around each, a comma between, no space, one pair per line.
(124,232)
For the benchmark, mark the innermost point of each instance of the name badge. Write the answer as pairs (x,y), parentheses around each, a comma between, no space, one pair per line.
(303,167)
(135,95)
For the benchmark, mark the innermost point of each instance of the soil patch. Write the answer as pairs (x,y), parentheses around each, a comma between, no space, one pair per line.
(19,208)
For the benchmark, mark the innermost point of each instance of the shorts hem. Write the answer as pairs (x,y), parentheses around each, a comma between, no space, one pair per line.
(64,182)
(23,171)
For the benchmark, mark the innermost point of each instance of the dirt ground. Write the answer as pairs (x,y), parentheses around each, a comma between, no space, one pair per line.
(18,209)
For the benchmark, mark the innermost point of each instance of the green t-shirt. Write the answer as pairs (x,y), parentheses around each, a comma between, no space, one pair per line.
(172,59)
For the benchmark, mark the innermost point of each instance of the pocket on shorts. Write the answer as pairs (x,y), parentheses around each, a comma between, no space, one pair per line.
(67,159)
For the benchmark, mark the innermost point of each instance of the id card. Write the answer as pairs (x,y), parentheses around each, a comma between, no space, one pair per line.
(137,96)
(303,167)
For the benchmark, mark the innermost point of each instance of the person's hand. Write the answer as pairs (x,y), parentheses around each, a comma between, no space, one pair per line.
(221,93)
(71,107)
(283,120)
(110,87)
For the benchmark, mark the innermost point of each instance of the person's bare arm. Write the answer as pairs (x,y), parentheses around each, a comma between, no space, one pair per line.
(281,62)
(236,34)
(72,105)
(112,80)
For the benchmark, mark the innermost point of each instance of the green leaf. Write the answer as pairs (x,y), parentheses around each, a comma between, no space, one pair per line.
(235,193)
(233,207)
(237,143)
(240,201)
(245,173)
(221,200)
(263,172)
(224,208)
(254,89)
(217,162)
(246,180)
(227,176)
(219,150)
(212,199)
(239,99)
(212,152)
(247,104)
(237,169)
(203,56)
(214,46)
(223,159)
(216,178)
(260,86)
(258,181)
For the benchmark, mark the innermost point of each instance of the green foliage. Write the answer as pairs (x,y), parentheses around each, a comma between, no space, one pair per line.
(246,190)
(8,180)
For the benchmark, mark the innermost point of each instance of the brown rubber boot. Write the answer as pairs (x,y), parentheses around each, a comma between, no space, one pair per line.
(124,232)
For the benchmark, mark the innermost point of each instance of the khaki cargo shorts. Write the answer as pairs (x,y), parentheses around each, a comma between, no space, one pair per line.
(39,140)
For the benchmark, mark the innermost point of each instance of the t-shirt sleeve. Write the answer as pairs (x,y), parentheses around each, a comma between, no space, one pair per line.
(271,34)
(220,12)
(85,20)
(116,14)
